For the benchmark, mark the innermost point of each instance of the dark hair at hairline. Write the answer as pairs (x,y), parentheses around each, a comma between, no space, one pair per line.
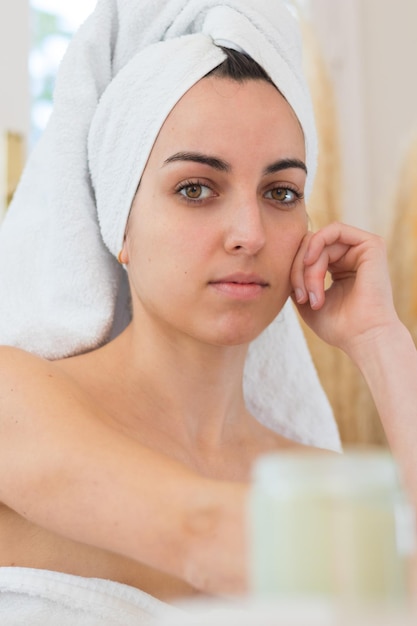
(239,67)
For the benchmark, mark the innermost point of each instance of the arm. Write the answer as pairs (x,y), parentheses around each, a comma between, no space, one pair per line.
(64,468)
(357,314)
(388,363)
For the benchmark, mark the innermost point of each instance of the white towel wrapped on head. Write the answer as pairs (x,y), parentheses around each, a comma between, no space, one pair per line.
(124,71)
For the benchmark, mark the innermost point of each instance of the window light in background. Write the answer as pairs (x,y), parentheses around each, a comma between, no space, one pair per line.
(53,24)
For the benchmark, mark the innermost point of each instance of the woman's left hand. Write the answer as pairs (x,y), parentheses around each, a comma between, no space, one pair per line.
(359,301)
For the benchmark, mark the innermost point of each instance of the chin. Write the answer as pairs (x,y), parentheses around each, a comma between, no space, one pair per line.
(239,334)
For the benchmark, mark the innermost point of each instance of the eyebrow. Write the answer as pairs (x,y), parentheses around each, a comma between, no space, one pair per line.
(285,164)
(223,166)
(197,157)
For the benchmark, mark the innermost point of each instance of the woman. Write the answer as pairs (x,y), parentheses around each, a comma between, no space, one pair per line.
(129,461)
(208,272)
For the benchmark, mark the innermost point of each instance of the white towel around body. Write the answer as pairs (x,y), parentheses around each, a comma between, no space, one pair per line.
(33,597)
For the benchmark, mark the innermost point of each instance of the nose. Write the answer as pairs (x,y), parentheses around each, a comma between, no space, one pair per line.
(245,229)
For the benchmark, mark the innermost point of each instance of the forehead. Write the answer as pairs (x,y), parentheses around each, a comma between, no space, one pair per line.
(221,115)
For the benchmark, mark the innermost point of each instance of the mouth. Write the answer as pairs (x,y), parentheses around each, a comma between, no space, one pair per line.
(240,278)
(240,286)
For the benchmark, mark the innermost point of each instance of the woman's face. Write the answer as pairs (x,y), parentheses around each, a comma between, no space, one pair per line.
(219,214)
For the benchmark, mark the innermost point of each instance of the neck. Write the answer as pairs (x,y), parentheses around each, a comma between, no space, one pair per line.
(189,390)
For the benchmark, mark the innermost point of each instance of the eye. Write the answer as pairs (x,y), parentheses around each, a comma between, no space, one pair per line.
(284,195)
(195,191)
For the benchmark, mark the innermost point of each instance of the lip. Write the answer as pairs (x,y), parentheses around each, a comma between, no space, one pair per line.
(240,286)
(241,278)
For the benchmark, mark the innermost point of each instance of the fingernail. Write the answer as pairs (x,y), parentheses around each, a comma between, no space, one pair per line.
(313,298)
(299,294)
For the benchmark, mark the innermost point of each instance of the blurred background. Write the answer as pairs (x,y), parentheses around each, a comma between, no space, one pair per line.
(359,57)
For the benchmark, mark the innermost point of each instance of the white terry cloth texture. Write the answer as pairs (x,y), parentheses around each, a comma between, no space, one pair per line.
(44,598)
(62,290)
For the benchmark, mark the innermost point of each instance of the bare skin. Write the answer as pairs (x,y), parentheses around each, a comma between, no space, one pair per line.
(32,545)
(89,379)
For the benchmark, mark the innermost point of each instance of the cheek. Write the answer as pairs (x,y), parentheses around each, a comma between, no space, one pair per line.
(295,232)
(161,251)
(300,232)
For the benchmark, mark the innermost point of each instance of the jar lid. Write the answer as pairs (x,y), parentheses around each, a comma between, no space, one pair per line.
(356,471)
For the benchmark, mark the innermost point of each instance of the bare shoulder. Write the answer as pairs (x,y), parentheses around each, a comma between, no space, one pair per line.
(14,361)
(10,353)
(271,441)
(256,442)
(47,423)
(26,378)
(37,397)
(19,370)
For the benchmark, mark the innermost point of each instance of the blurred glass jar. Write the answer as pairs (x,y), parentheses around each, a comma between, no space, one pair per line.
(331,527)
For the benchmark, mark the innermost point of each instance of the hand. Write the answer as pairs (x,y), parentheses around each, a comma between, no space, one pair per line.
(359,302)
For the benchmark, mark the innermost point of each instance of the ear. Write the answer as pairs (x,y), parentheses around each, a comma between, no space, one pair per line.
(123,256)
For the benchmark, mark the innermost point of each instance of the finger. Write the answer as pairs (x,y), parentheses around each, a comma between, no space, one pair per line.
(314,277)
(329,235)
(297,271)
(333,259)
